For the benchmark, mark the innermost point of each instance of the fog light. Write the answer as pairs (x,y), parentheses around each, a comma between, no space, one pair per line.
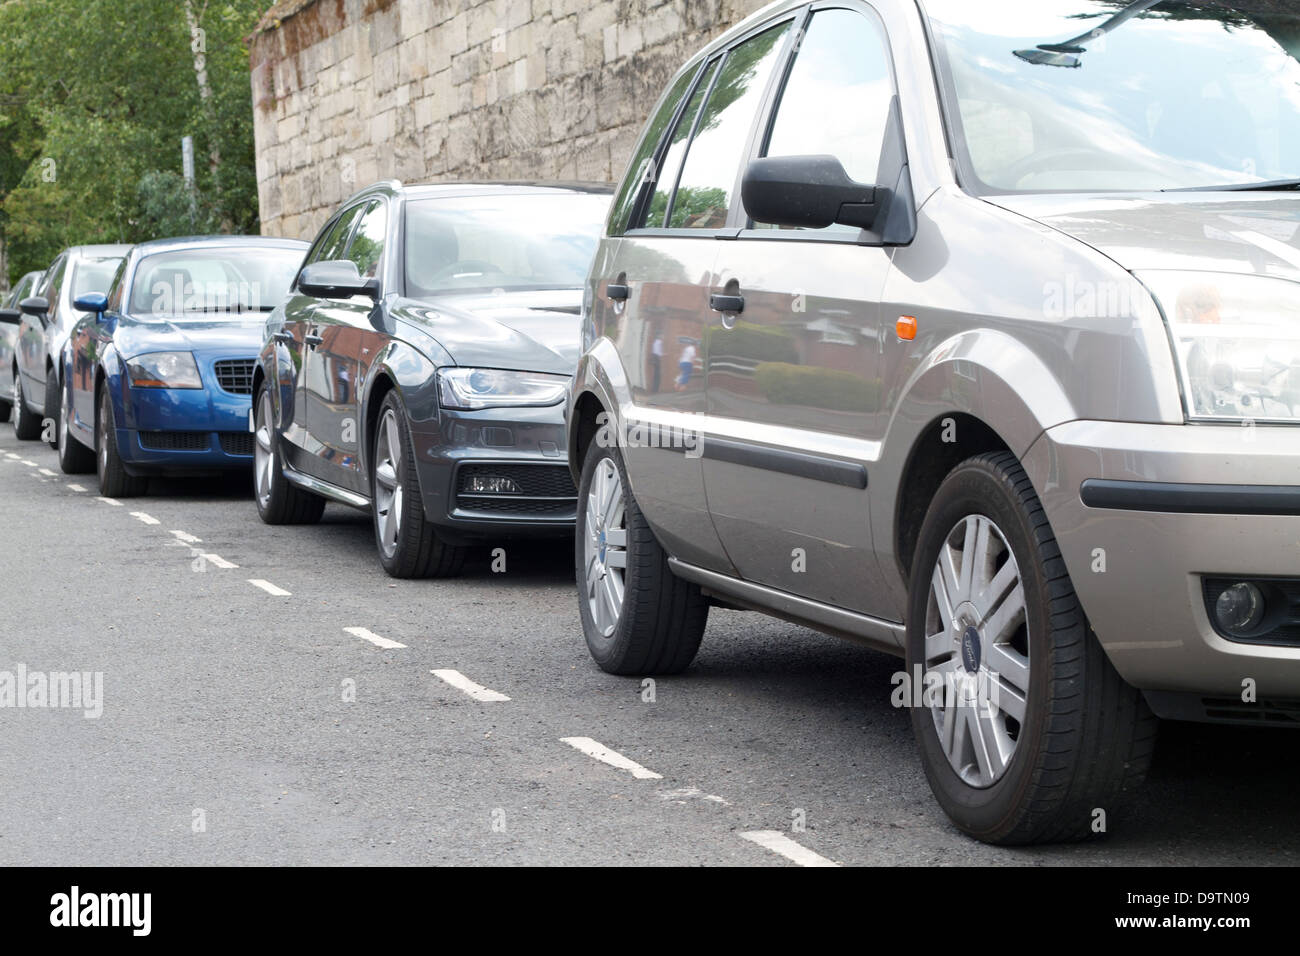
(1240,608)
(489,485)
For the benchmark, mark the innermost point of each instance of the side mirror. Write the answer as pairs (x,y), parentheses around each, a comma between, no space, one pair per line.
(336,279)
(95,302)
(37,305)
(10,316)
(809,191)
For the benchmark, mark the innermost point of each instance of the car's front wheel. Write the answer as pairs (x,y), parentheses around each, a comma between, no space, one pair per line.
(278,501)
(1026,731)
(27,424)
(114,481)
(409,546)
(637,616)
(74,457)
(53,407)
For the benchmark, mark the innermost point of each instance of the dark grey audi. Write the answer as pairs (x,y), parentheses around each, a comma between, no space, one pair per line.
(419,366)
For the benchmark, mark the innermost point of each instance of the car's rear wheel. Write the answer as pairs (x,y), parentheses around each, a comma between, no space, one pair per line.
(27,424)
(53,405)
(1026,731)
(114,482)
(637,616)
(278,501)
(409,547)
(74,457)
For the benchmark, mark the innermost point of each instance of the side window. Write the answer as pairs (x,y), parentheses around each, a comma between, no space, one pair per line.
(54,284)
(704,191)
(621,210)
(336,240)
(367,248)
(115,289)
(671,165)
(837,97)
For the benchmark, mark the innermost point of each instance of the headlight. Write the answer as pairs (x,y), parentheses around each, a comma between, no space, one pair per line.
(473,388)
(1236,343)
(164,370)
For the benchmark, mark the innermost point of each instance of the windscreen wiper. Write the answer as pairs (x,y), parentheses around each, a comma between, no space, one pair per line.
(1067,53)
(1275,185)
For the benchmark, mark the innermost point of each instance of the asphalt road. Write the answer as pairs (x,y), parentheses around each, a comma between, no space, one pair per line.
(244,727)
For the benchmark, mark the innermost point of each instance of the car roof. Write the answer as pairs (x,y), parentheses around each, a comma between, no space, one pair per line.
(505,187)
(154,246)
(101,251)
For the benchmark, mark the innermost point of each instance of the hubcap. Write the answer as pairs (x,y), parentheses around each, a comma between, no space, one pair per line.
(977,651)
(605,547)
(263,450)
(388,482)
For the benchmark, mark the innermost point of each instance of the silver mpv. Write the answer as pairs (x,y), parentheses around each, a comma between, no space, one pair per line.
(971,331)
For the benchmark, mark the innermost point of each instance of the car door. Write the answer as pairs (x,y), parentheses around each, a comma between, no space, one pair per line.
(298,337)
(86,343)
(30,346)
(9,333)
(665,265)
(794,376)
(346,329)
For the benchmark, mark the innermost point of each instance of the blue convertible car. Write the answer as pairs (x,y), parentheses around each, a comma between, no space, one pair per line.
(158,377)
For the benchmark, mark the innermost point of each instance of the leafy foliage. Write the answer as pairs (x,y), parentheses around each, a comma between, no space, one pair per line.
(95,96)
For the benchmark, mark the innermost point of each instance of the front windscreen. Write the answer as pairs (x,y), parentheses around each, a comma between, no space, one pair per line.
(213,280)
(94,275)
(1088,95)
(512,242)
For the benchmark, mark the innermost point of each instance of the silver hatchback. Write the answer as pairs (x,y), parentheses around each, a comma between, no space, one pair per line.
(971,331)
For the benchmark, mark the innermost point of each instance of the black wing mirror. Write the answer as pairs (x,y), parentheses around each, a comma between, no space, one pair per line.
(336,279)
(10,316)
(809,191)
(37,305)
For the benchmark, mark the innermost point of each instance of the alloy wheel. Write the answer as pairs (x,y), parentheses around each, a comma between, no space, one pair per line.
(605,547)
(263,450)
(388,481)
(977,651)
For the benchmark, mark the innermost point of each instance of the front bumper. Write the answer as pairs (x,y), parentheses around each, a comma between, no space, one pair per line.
(179,429)
(1138,554)
(525,445)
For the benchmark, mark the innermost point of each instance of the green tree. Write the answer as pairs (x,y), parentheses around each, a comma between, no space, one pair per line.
(95,96)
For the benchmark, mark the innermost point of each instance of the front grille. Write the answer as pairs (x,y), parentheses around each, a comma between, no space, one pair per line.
(235,375)
(545,491)
(237,443)
(174,441)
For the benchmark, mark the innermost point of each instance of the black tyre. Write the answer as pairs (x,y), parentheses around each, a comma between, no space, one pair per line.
(114,482)
(27,424)
(278,501)
(74,457)
(637,616)
(409,547)
(1033,731)
(53,406)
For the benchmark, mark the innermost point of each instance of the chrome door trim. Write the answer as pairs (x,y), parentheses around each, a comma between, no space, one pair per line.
(882,635)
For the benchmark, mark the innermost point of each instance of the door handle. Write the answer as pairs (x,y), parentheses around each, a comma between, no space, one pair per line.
(285,337)
(727,303)
(313,340)
(618,293)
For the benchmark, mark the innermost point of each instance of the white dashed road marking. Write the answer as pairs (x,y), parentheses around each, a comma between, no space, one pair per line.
(461,682)
(217,561)
(141,516)
(691,793)
(373,638)
(187,538)
(778,842)
(602,753)
(47,473)
(76,488)
(109,501)
(268,587)
(29,464)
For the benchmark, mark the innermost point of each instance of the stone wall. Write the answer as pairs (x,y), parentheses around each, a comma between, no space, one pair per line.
(347,92)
